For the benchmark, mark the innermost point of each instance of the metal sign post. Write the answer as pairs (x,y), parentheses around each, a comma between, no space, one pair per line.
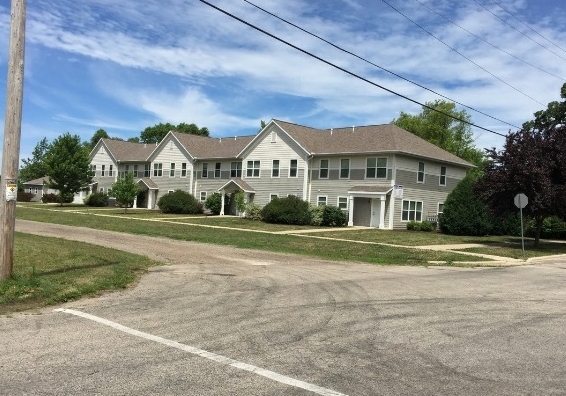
(521,201)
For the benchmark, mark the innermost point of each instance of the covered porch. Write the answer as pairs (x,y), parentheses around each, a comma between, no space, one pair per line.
(231,187)
(148,194)
(368,205)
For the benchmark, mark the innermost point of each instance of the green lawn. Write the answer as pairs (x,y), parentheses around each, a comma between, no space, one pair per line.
(48,271)
(512,248)
(321,248)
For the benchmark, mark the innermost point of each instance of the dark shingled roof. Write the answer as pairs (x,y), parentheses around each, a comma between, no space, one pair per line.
(366,139)
(38,182)
(127,151)
(207,147)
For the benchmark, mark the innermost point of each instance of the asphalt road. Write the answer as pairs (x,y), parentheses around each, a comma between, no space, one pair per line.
(223,321)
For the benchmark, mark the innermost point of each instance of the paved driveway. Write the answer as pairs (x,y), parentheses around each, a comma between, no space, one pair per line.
(223,321)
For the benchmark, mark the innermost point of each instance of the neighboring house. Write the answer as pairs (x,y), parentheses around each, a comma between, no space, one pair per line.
(383,176)
(38,187)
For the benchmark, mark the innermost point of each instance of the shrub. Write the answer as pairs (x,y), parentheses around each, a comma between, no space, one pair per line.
(464,213)
(413,225)
(332,216)
(49,198)
(426,226)
(25,196)
(179,202)
(316,215)
(96,199)
(253,211)
(214,203)
(65,198)
(289,210)
(552,228)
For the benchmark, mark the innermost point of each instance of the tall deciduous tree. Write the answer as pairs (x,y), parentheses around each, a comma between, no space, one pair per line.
(125,190)
(157,132)
(533,162)
(68,166)
(100,134)
(446,132)
(34,167)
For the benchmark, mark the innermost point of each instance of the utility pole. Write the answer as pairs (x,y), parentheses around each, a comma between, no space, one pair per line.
(12,135)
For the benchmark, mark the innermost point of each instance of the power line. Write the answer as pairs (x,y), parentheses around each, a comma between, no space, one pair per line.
(373,64)
(523,23)
(514,28)
(461,54)
(489,43)
(345,70)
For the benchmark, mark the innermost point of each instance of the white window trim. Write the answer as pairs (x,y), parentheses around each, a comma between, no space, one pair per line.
(273,137)
(376,168)
(172,166)
(205,196)
(438,208)
(278,169)
(419,171)
(202,173)
(320,168)
(253,168)
(271,195)
(440,177)
(349,169)
(321,196)
(235,169)
(158,170)
(347,202)
(296,168)
(416,202)
(219,170)
(186,169)
(102,170)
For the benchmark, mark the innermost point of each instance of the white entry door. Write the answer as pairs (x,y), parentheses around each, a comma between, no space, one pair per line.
(375,212)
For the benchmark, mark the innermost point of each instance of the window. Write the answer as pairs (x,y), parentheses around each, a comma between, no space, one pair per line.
(92,169)
(273,196)
(158,169)
(35,190)
(135,171)
(412,210)
(111,170)
(236,169)
(442,180)
(217,168)
(101,188)
(275,168)
(172,170)
(183,169)
(321,200)
(204,170)
(440,207)
(102,170)
(203,196)
(253,169)
(345,168)
(323,174)
(273,137)
(420,173)
(146,170)
(293,168)
(376,168)
(343,203)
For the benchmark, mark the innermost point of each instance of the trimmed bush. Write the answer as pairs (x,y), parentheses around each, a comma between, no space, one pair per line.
(426,226)
(413,225)
(332,216)
(289,210)
(316,215)
(25,196)
(49,198)
(253,211)
(179,202)
(214,203)
(97,199)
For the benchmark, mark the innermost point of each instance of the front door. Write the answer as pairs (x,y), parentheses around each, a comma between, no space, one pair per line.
(375,212)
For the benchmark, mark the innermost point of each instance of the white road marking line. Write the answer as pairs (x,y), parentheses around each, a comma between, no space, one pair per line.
(209,355)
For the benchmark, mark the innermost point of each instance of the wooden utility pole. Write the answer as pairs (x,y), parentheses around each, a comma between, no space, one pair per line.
(12,134)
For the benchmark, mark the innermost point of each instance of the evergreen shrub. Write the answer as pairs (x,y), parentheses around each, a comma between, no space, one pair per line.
(97,199)
(288,210)
(179,202)
(214,203)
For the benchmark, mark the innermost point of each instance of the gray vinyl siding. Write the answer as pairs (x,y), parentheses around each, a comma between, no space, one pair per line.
(283,149)
(171,152)
(430,193)
(357,168)
(101,157)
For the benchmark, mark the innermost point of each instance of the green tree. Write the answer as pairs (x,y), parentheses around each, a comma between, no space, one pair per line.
(125,190)
(68,166)
(157,132)
(443,131)
(100,134)
(134,139)
(262,125)
(34,167)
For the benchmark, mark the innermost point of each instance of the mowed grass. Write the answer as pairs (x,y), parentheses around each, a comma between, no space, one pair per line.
(314,247)
(513,249)
(48,271)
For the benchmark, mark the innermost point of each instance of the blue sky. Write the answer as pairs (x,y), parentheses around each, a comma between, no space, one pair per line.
(125,65)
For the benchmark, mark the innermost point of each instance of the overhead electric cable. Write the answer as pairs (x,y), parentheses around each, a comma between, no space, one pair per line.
(373,64)
(461,54)
(487,42)
(514,28)
(345,70)
(525,24)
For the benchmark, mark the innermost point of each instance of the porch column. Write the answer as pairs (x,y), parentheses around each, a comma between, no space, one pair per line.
(222,205)
(382,212)
(135,205)
(350,211)
(149,199)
